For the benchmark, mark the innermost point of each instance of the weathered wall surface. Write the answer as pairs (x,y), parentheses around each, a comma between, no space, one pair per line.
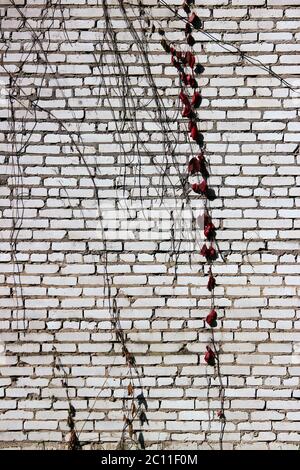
(252,139)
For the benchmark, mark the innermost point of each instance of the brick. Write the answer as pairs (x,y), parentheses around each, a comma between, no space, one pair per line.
(251,131)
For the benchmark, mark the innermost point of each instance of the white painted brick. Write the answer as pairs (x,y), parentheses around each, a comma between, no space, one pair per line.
(251,131)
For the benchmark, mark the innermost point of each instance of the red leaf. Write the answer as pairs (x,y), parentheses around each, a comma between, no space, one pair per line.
(211,318)
(211,283)
(200,188)
(198,165)
(194,132)
(190,59)
(179,55)
(192,81)
(196,100)
(209,356)
(184,78)
(204,251)
(194,166)
(203,187)
(183,97)
(187,111)
(209,230)
(195,21)
(211,252)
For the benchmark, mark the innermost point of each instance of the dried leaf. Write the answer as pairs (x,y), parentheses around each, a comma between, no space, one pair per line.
(72,410)
(70,422)
(130,430)
(121,445)
(74,443)
(143,418)
(130,359)
(165,45)
(142,401)
(141,441)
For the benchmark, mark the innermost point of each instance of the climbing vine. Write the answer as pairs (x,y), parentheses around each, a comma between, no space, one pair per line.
(190,97)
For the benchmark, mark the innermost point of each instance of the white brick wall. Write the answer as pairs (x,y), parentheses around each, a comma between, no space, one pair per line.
(252,139)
